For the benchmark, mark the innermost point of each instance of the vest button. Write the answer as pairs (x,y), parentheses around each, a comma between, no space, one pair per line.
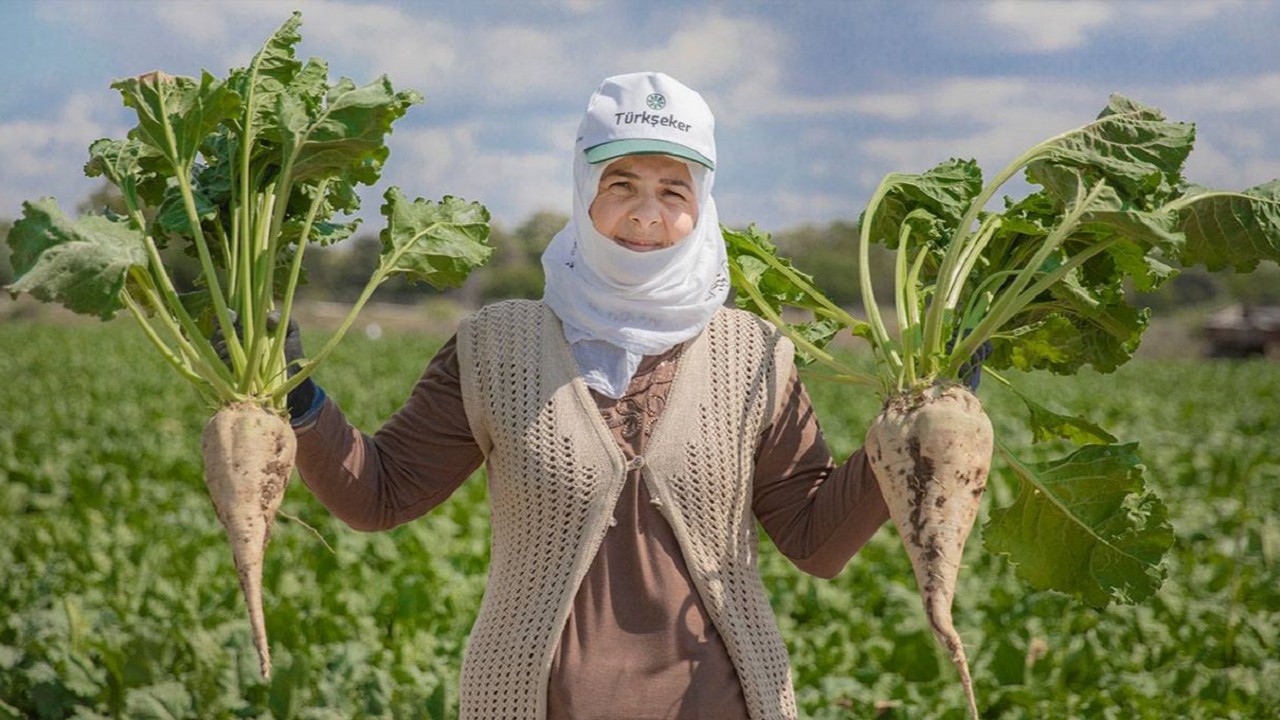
(635,463)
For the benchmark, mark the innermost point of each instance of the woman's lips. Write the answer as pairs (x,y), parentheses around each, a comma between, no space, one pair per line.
(633,245)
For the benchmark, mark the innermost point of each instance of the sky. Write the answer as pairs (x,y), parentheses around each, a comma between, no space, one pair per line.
(815,101)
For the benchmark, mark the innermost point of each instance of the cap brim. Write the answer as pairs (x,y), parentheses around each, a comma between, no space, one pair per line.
(618,148)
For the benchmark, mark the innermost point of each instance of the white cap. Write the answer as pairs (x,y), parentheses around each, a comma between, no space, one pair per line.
(647,112)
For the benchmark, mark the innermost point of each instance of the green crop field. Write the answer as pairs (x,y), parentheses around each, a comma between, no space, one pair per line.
(118,598)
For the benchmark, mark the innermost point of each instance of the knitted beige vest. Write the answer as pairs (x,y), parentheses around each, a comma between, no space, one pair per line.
(555,473)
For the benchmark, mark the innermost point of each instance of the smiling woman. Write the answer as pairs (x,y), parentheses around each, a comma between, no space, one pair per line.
(634,178)
(635,433)
(645,202)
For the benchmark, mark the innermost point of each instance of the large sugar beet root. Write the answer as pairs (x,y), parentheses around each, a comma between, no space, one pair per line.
(248,457)
(931,453)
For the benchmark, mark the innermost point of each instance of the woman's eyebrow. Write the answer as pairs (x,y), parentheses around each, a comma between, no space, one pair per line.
(621,173)
(627,174)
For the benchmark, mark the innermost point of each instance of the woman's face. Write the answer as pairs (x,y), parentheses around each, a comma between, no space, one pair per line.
(645,202)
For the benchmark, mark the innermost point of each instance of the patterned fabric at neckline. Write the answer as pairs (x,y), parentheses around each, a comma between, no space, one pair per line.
(633,415)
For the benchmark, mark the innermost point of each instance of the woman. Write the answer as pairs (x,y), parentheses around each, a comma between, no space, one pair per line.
(634,430)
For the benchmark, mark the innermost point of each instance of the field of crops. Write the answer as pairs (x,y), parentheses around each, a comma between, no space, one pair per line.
(118,599)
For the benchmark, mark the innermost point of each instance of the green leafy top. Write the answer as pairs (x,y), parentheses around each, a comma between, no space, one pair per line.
(246,172)
(1043,279)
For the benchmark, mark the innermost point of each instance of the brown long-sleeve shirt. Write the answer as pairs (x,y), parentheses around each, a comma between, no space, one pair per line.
(638,642)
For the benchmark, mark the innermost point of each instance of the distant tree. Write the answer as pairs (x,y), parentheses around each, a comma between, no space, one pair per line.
(516,268)
(340,272)
(1199,288)
(830,254)
(6,268)
(1260,287)
(106,198)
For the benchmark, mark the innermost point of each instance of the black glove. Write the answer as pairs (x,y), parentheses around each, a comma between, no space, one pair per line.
(308,396)
(305,400)
(971,370)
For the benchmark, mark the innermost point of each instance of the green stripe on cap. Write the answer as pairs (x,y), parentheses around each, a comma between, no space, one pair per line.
(618,148)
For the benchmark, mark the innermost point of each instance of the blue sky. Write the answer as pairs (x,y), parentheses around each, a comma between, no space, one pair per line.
(815,101)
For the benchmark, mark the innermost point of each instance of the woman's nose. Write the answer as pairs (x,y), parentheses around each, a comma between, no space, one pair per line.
(646,211)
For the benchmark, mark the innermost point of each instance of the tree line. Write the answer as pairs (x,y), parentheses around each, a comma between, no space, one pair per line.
(338,273)
(827,251)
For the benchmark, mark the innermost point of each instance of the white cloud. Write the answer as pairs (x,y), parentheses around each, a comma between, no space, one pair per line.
(963,98)
(177,37)
(435,161)
(1057,26)
(1046,25)
(45,156)
(383,35)
(583,6)
(734,61)
(27,145)
(355,39)
(208,25)
(1161,17)
(514,65)
(889,106)
(500,66)
(1223,95)
(992,120)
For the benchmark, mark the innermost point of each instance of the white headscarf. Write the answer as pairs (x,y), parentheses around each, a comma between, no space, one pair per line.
(618,305)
